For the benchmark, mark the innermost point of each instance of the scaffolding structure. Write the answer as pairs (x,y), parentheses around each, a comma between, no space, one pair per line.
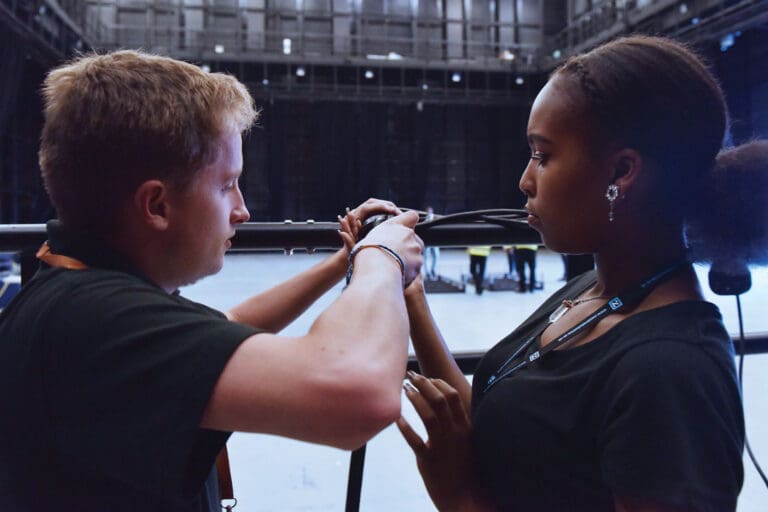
(432,50)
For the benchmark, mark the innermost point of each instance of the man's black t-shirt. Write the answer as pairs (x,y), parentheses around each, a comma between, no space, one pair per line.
(105,378)
(650,410)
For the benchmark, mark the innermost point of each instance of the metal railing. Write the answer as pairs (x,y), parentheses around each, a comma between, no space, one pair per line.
(214,43)
(52,33)
(253,32)
(310,236)
(691,21)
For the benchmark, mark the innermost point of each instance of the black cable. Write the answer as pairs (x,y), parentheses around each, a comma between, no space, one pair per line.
(742,348)
(498,216)
(515,221)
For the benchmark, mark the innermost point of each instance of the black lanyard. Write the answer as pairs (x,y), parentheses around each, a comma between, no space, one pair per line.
(627,298)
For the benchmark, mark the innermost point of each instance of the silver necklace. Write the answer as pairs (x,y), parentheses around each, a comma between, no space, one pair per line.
(567,304)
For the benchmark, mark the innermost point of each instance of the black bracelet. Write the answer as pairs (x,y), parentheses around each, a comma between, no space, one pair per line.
(384,248)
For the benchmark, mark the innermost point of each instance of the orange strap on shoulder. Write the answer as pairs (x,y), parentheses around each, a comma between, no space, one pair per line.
(45,255)
(225,477)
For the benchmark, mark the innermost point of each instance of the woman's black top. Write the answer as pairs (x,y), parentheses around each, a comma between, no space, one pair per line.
(651,409)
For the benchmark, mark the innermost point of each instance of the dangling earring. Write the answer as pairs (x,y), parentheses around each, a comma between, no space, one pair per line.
(611,194)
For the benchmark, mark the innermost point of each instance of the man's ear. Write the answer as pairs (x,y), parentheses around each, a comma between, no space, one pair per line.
(151,203)
(627,169)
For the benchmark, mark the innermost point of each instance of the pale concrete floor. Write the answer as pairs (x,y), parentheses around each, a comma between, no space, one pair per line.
(274,474)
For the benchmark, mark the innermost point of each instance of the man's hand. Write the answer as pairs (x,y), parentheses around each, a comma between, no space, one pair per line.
(352,220)
(397,234)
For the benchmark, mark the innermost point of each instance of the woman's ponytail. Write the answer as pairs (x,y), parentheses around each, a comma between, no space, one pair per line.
(728,222)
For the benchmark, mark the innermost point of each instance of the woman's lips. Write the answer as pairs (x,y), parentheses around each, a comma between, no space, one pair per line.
(533,219)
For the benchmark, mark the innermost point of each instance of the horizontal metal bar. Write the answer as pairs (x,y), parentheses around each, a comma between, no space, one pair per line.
(468,361)
(324,235)
(309,235)
(19,237)
(753,344)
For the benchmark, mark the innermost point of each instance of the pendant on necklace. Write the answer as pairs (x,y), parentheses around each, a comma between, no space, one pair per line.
(560,311)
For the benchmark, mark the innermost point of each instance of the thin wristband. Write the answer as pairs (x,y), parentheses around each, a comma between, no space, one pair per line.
(383,248)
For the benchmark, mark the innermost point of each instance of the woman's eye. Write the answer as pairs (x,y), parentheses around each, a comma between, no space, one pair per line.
(538,155)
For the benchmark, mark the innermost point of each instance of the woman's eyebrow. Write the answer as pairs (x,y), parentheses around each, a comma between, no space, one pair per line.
(533,137)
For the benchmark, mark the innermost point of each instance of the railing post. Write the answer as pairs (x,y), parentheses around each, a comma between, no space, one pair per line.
(355,480)
(28,264)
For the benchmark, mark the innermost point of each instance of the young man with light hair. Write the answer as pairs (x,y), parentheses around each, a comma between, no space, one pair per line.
(118,392)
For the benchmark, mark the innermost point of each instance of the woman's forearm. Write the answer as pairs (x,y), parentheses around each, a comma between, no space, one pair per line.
(432,353)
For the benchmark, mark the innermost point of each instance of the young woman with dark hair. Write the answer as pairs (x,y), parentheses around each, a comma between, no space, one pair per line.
(619,392)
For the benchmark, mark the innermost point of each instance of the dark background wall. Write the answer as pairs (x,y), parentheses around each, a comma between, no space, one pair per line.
(22,198)
(310,159)
(743,72)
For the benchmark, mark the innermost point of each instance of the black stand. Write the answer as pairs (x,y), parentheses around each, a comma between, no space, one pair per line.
(442,284)
(355,481)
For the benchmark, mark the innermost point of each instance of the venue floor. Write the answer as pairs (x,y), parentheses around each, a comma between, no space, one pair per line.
(275,474)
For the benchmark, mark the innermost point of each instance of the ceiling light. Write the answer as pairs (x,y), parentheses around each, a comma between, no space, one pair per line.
(368,74)
(300,71)
(219,48)
(287,46)
(507,55)
(727,41)
(519,80)
(456,78)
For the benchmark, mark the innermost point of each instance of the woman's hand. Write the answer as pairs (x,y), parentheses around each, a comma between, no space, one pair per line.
(416,288)
(352,220)
(444,460)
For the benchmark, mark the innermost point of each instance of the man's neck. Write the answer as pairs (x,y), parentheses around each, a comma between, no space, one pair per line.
(144,255)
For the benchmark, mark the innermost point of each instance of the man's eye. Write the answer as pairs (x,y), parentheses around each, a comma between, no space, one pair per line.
(538,155)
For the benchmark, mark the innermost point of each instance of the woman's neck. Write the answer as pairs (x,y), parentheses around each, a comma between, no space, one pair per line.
(622,266)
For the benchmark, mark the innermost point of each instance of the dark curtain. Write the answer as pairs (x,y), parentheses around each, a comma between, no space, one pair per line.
(11,67)
(744,77)
(11,74)
(311,159)
(22,198)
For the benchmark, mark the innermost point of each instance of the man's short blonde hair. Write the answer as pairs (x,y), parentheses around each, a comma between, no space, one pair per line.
(114,121)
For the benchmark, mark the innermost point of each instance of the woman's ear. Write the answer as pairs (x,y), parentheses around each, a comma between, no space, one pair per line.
(627,169)
(151,204)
